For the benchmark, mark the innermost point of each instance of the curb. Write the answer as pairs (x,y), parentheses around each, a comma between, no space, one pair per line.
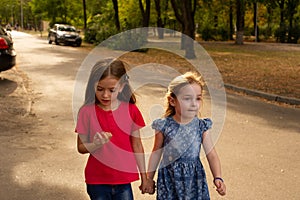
(270,97)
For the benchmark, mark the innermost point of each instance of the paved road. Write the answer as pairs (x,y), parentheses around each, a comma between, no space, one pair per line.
(259,145)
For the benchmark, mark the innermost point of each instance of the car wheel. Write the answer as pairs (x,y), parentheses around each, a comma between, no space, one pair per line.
(77,44)
(56,42)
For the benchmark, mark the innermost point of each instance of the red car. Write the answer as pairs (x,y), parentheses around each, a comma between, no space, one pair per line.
(7,51)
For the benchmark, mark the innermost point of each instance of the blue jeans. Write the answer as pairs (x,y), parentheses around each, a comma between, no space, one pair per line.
(110,192)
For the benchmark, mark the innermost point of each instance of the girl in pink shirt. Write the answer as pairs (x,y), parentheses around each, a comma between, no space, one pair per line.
(108,129)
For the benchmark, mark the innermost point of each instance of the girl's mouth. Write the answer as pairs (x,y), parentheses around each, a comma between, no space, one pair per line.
(105,101)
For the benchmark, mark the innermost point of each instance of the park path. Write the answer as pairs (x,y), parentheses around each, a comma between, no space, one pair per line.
(258,146)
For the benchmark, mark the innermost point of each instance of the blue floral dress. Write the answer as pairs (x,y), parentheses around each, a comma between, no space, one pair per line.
(181,175)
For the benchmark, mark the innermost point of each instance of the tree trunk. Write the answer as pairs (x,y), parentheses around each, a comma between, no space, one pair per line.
(240,14)
(189,30)
(145,12)
(84,13)
(231,27)
(256,33)
(282,29)
(159,19)
(145,16)
(117,20)
(186,18)
(292,5)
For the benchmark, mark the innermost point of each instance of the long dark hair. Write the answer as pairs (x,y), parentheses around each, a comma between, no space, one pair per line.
(104,68)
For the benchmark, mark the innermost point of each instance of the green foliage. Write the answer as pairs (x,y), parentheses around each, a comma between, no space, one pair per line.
(209,32)
(127,41)
(62,11)
(280,34)
(266,32)
(96,30)
(294,33)
(130,15)
(100,27)
(212,17)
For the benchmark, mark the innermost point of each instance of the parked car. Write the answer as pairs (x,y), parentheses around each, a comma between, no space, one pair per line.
(7,51)
(64,33)
(8,27)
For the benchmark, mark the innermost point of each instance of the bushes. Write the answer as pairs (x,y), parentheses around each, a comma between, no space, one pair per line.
(100,31)
(214,33)
(127,41)
(289,35)
(280,34)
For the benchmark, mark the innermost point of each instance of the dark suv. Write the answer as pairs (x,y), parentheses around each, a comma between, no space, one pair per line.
(64,33)
(7,51)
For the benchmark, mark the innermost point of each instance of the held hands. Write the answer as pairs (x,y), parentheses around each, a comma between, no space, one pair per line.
(148,186)
(221,188)
(101,138)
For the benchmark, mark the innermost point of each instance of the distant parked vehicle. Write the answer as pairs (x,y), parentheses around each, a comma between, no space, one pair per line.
(7,51)
(65,34)
(8,27)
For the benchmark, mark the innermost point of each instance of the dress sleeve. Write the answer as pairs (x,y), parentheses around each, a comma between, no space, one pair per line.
(205,124)
(158,124)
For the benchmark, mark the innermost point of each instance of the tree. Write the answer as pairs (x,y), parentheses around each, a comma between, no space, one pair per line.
(145,12)
(116,9)
(256,28)
(67,11)
(240,21)
(231,26)
(159,22)
(293,30)
(185,12)
(84,13)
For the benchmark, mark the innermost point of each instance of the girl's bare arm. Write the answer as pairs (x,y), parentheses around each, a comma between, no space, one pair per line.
(84,146)
(155,155)
(138,150)
(214,163)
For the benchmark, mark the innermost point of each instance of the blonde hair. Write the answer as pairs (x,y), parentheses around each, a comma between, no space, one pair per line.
(176,84)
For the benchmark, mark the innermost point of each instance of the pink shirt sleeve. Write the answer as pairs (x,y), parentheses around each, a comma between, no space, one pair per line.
(82,126)
(138,120)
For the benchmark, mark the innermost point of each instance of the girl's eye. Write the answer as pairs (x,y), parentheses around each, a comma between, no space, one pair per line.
(102,89)
(99,89)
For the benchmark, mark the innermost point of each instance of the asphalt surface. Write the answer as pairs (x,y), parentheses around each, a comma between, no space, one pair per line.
(258,145)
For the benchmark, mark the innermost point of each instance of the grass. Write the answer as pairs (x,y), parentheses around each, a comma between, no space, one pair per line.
(269,67)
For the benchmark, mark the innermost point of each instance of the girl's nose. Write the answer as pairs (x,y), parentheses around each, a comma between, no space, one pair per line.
(194,102)
(106,93)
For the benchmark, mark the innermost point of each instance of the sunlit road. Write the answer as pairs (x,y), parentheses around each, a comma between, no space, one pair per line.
(259,146)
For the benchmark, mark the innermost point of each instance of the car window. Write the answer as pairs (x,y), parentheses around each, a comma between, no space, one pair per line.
(70,29)
(61,28)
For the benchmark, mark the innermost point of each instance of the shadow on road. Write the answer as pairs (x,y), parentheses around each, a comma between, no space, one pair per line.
(7,86)
(280,117)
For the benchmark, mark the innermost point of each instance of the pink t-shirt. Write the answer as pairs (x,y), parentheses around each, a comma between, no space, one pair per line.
(114,163)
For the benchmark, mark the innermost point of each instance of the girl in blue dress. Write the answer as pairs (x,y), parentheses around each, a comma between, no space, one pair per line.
(178,139)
